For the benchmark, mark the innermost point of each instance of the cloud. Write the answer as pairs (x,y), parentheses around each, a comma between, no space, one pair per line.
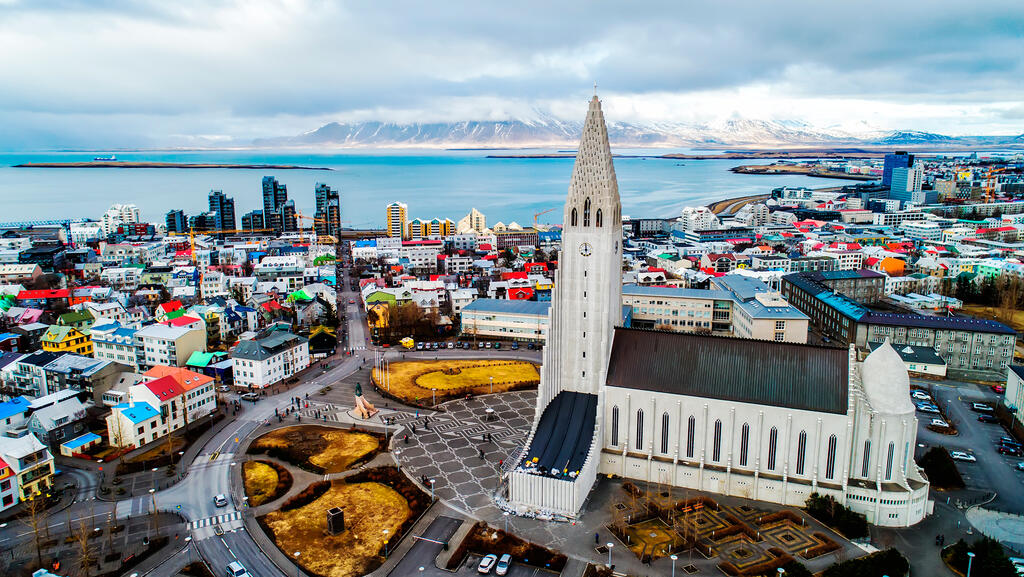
(138,73)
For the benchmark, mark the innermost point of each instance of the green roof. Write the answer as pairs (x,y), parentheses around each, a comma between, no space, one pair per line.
(74,317)
(380,297)
(56,334)
(299,295)
(198,359)
(174,314)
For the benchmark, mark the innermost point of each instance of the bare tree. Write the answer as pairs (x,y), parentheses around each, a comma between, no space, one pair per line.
(34,520)
(86,553)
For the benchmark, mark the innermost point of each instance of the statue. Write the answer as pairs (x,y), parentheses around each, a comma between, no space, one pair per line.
(363,408)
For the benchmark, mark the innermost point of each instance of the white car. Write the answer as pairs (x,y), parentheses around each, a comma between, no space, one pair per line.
(503,564)
(236,569)
(940,423)
(921,395)
(486,564)
(962,456)
(221,500)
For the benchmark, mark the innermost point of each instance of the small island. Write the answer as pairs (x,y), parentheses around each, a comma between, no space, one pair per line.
(147,164)
(800,169)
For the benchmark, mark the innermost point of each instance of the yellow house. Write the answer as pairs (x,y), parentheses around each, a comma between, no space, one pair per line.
(58,339)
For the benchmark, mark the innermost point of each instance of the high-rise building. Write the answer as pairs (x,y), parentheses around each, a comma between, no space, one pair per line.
(253,220)
(475,220)
(275,195)
(224,208)
(286,216)
(203,222)
(177,221)
(898,159)
(328,210)
(395,219)
(906,186)
(117,215)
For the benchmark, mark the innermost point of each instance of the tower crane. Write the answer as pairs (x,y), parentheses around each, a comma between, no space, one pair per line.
(540,214)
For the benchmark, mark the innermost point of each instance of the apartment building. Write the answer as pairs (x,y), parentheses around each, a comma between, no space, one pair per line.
(516,320)
(167,345)
(263,362)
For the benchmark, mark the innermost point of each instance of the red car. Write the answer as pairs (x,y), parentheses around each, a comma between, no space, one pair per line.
(999,388)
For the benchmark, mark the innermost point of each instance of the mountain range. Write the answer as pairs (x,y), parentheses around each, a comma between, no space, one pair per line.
(547,131)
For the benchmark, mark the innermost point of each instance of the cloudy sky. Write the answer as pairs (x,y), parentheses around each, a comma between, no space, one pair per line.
(102,73)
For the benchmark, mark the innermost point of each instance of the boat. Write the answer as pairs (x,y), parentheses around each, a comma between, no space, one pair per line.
(110,158)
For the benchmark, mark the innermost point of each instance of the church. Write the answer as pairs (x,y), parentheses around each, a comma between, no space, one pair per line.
(763,420)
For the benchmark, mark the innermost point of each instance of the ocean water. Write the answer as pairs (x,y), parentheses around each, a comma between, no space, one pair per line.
(433,183)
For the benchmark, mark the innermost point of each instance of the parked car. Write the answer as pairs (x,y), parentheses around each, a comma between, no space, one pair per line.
(981,407)
(497,345)
(987,418)
(1020,465)
(1010,442)
(1010,450)
(930,409)
(998,388)
(919,394)
(419,346)
(465,346)
(224,389)
(220,500)
(515,346)
(529,346)
(503,564)
(487,345)
(480,345)
(451,345)
(251,397)
(962,456)
(487,563)
(939,423)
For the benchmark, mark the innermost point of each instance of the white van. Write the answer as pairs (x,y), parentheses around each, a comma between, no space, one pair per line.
(235,569)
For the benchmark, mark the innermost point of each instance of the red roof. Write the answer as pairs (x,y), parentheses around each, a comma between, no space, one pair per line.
(533,265)
(442,256)
(512,275)
(485,246)
(272,306)
(491,257)
(170,306)
(421,243)
(655,269)
(520,293)
(165,388)
(44,294)
(182,321)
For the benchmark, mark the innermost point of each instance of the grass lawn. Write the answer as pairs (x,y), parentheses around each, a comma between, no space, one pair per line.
(159,450)
(260,481)
(370,508)
(412,381)
(991,313)
(330,449)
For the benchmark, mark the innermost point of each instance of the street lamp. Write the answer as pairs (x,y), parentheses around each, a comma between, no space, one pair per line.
(156,522)
(431,490)
(609,545)
(781,571)
(505,515)
(492,385)
(970,559)
(398,463)
(673,558)
(385,544)
(297,553)
(433,396)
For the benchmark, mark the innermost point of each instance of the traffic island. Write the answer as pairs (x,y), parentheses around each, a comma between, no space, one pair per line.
(378,507)
(429,383)
(264,481)
(319,449)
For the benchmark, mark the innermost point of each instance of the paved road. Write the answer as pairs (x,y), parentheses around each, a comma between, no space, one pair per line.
(423,552)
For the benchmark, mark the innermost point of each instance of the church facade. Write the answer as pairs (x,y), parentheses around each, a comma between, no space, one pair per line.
(764,420)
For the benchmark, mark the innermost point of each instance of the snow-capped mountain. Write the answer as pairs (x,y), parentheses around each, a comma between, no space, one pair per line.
(547,131)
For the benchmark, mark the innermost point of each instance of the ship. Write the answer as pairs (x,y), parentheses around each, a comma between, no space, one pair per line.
(110,158)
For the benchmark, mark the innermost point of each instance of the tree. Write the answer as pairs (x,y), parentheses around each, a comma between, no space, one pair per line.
(35,519)
(86,553)
(507,258)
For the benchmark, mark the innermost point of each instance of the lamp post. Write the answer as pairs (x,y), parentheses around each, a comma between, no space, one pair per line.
(505,515)
(398,462)
(970,559)
(433,396)
(609,545)
(781,571)
(492,385)
(297,570)
(385,544)
(673,558)
(156,520)
(431,490)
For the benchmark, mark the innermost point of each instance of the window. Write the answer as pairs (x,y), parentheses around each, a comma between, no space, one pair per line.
(773,442)
(888,461)
(716,447)
(801,452)
(615,425)
(586,212)
(744,441)
(867,459)
(691,426)
(830,460)
(597,220)
(664,428)
(640,429)
(574,219)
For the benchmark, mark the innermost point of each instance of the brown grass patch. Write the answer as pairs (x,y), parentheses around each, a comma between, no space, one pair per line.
(319,449)
(1014,318)
(412,381)
(370,508)
(264,481)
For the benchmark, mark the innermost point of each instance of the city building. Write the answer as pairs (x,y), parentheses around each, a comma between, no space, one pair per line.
(58,339)
(118,215)
(328,210)
(892,161)
(253,220)
(199,398)
(260,363)
(395,219)
(275,195)
(758,419)
(177,221)
(132,425)
(223,209)
(516,320)
(30,461)
(160,344)
(696,219)
(475,221)
(24,274)
(114,342)
(906,186)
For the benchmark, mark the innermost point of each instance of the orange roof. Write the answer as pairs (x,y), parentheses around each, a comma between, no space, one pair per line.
(187,379)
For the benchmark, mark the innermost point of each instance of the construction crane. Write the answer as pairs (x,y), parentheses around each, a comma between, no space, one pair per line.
(327,239)
(191,234)
(540,214)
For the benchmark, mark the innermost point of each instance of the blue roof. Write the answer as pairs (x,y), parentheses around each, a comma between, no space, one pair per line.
(515,307)
(140,413)
(372,242)
(82,440)
(15,406)
(664,291)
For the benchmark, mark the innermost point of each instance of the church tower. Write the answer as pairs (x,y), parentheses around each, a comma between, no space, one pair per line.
(559,465)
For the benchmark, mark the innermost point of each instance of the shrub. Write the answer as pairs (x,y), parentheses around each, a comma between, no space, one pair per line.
(306,496)
(796,569)
(480,541)
(990,559)
(889,562)
(828,511)
(941,469)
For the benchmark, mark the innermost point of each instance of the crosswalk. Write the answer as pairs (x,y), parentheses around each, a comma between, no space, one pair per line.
(215,520)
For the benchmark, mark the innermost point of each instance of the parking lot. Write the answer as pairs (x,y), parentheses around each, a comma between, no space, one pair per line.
(992,471)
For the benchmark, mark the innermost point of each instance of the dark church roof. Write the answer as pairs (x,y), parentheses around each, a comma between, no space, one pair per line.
(791,375)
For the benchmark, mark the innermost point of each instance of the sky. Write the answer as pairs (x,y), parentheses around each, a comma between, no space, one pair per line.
(110,73)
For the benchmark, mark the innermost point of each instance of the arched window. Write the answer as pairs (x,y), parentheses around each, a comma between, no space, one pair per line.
(597,218)
(830,460)
(716,449)
(574,219)
(691,426)
(801,452)
(867,459)
(615,425)
(773,443)
(586,212)
(744,441)
(640,429)
(664,433)
(888,461)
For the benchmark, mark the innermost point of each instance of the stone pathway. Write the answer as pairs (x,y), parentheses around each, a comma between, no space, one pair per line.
(1006,528)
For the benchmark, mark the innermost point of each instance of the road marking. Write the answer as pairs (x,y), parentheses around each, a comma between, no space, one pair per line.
(213,456)
(216,519)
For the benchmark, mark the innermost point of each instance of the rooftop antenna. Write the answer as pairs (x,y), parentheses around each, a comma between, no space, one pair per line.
(595,88)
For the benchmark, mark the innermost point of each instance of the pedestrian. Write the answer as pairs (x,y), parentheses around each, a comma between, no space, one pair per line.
(414,428)
(597,538)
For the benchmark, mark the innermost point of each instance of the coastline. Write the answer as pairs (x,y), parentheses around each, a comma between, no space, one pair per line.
(777,169)
(732,205)
(193,165)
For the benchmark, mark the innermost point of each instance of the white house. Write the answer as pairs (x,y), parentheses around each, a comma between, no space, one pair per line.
(259,363)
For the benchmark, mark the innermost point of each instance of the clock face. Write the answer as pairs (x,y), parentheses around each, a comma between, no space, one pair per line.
(585,249)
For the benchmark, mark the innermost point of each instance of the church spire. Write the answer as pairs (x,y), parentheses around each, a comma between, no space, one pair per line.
(593,185)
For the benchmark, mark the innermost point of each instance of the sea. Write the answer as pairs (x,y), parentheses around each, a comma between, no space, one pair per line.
(434,183)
